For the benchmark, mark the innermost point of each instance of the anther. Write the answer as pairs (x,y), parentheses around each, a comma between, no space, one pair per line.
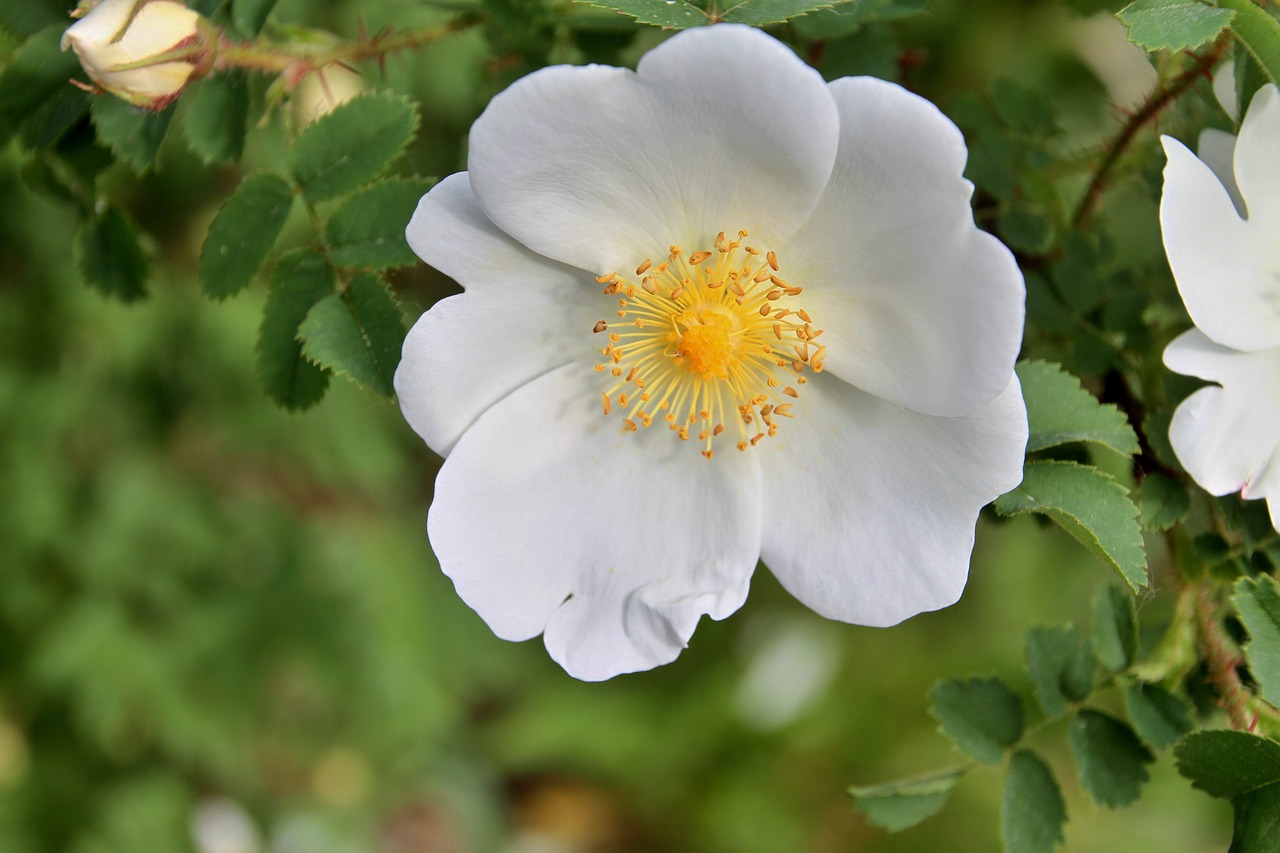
(764,309)
(644,267)
(772,258)
(804,315)
(605,399)
(698,257)
(600,326)
(790,392)
(605,279)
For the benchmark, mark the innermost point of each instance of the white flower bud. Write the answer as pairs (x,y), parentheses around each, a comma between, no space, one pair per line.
(324,91)
(115,48)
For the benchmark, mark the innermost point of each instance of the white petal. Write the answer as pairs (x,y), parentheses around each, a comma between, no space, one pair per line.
(1224,89)
(1256,169)
(521,316)
(919,306)
(548,517)
(1226,268)
(1217,149)
(720,128)
(1227,437)
(870,508)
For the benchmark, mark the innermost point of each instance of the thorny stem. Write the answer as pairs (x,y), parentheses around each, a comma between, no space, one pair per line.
(1158,99)
(296,61)
(1223,658)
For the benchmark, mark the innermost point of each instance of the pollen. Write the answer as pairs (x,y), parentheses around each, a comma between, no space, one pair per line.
(699,339)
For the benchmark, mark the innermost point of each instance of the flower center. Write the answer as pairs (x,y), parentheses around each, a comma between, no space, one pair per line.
(706,343)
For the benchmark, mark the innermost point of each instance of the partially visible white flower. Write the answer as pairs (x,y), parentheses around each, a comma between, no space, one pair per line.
(1220,218)
(114,49)
(803,352)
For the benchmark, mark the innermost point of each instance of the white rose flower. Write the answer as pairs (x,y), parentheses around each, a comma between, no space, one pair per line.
(106,39)
(803,352)
(1220,217)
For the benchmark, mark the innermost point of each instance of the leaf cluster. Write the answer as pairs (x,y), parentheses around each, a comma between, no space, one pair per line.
(1070,674)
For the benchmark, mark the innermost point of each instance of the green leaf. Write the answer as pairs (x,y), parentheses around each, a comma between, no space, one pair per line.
(1110,758)
(1158,716)
(757,13)
(668,14)
(980,715)
(27,19)
(1061,411)
(1243,768)
(358,333)
(1228,764)
(1115,628)
(133,134)
(1173,24)
(242,234)
(248,16)
(1089,505)
(1163,502)
(1022,109)
(1259,31)
(1257,824)
(845,18)
(1025,231)
(897,805)
(368,229)
(1258,601)
(110,258)
(36,95)
(1032,812)
(299,280)
(1061,666)
(351,145)
(216,116)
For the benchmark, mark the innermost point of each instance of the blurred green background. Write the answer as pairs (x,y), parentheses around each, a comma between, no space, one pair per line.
(222,629)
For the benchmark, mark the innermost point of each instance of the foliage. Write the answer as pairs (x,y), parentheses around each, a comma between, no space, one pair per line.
(210,594)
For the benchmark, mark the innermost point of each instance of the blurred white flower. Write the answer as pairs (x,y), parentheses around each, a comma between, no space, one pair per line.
(793,288)
(1220,217)
(791,667)
(221,825)
(107,40)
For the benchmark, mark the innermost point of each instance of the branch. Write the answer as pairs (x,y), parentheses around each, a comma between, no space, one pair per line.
(1158,99)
